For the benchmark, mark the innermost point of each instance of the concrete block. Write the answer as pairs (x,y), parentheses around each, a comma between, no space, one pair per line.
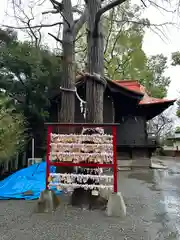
(145,162)
(134,163)
(158,166)
(116,206)
(124,163)
(47,202)
(124,168)
(105,193)
(157,163)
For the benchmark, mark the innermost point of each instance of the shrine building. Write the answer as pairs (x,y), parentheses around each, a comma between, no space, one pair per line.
(125,102)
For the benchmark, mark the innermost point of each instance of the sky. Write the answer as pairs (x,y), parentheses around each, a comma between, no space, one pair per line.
(153,44)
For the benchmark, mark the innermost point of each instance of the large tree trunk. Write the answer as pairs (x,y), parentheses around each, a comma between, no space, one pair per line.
(68,80)
(94,96)
(67,109)
(94,89)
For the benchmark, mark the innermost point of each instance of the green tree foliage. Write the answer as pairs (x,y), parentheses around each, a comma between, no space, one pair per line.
(176,62)
(30,76)
(177,130)
(175,59)
(124,56)
(178,108)
(12,130)
(153,77)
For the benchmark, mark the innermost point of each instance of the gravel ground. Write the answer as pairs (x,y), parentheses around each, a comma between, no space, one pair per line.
(151,196)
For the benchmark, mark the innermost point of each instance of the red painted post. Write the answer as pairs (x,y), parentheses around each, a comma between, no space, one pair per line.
(49,130)
(115,159)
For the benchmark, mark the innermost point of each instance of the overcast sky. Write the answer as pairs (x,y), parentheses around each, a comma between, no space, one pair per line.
(153,44)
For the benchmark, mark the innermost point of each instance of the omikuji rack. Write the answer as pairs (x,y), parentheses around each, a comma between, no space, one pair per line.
(50,127)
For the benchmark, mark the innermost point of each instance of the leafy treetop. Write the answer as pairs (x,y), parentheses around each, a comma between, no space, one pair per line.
(124,55)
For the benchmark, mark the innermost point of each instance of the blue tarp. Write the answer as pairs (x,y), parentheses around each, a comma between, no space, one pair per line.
(31,179)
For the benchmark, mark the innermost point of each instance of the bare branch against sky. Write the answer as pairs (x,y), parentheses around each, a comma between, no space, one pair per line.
(42,14)
(43,6)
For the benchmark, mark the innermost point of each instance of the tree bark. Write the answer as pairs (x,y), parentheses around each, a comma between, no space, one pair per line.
(95,64)
(94,95)
(68,81)
(67,108)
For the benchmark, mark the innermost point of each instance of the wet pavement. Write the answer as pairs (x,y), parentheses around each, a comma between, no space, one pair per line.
(153,208)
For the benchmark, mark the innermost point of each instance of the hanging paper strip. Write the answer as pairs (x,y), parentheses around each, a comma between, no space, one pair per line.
(96,148)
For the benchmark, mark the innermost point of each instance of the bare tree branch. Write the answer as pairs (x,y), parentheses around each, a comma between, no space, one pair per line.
(153,3)
(81,51)
(50,11)
(75,9)
(66,20)
(37,40)
(59,8)
(80,22)
(110,30)
(107,8)
(144,23)
(160,125)
(36,26)
(35,35)
(81,35)
(143,3)
(57,5)
(39,3)
(117,37)
(56,38)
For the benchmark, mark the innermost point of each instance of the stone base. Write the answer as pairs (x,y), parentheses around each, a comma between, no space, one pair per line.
(47,202)
(104,193)
(134,163)
(116,206)
(124,168)
(156,163)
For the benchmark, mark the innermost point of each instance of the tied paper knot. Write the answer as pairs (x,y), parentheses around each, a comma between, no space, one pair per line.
(82,102)
(82,148)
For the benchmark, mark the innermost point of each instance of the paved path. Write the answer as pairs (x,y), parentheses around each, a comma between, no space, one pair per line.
(153,209)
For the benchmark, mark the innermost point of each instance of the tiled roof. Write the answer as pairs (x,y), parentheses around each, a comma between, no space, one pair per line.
(135,86)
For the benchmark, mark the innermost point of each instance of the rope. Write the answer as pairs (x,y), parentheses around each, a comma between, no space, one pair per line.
(67,89)
(96,77)
(73,90)
(78,97)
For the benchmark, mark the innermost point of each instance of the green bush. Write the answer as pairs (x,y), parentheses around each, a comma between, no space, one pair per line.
(12,130)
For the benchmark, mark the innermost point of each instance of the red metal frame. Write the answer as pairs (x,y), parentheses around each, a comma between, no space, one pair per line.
(115,160)
(48,163)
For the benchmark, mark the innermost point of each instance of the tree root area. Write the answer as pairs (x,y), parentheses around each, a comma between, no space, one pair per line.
(84,199)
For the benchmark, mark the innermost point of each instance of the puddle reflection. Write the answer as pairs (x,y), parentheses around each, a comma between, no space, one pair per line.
(166,183)
(170,203)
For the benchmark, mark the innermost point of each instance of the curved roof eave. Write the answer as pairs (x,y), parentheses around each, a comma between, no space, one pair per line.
(124,90)
(160,107)
(130,91)
(157,101)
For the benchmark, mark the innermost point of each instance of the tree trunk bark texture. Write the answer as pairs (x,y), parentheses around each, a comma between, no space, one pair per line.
(67,109)
(68,81)
(94,96)
(94,90)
